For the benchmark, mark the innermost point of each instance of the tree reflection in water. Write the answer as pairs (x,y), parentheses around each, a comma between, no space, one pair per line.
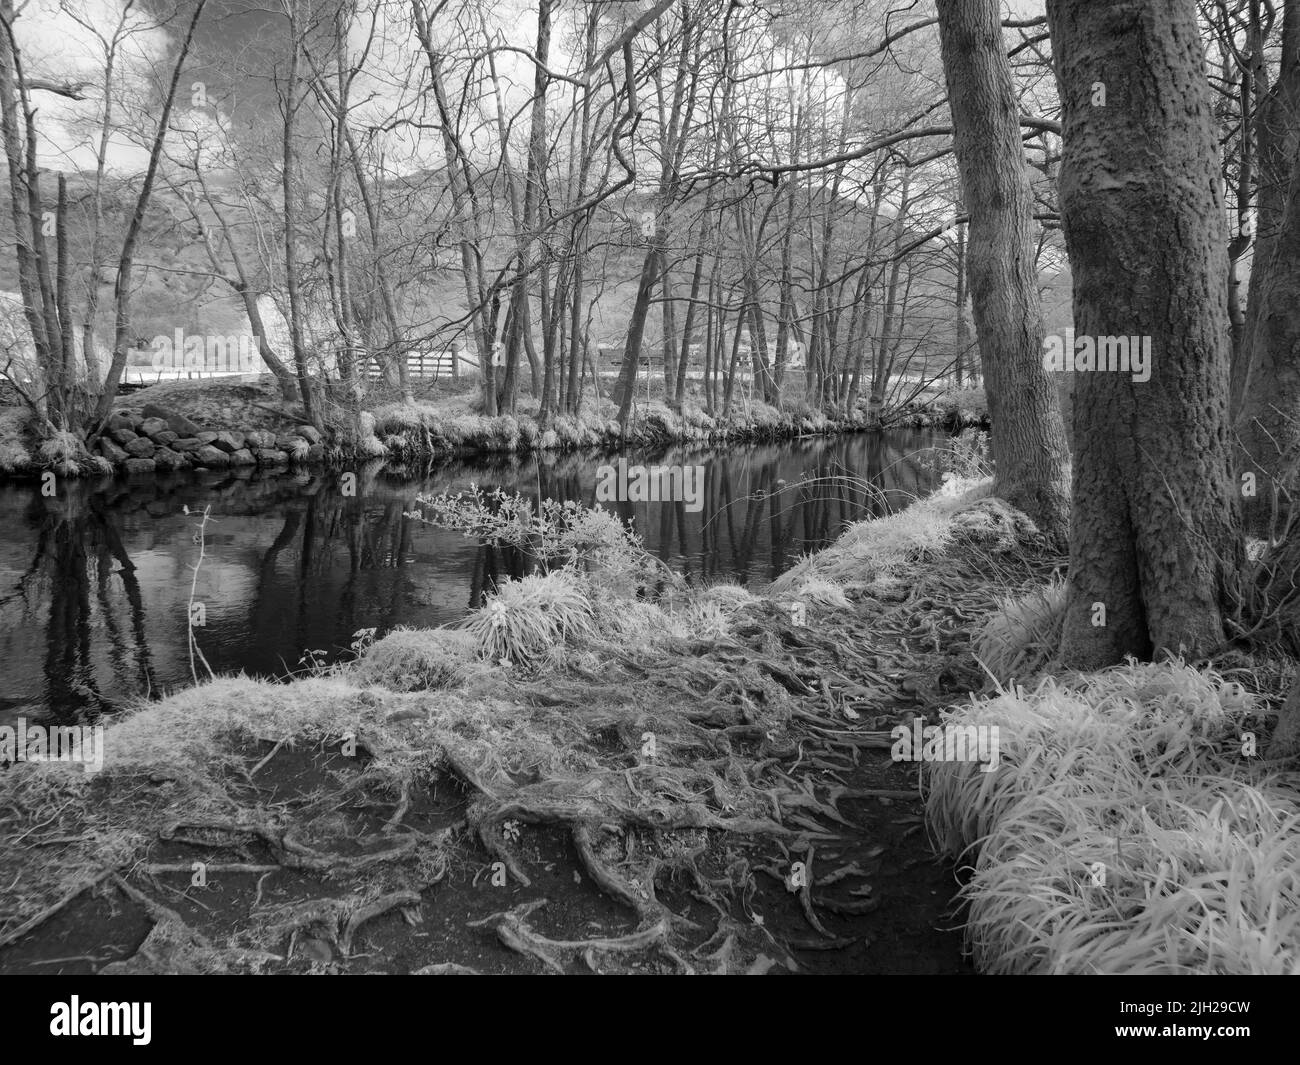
(94,582)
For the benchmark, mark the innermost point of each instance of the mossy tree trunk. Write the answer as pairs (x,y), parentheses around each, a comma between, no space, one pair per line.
(1155,547)
(1030,454)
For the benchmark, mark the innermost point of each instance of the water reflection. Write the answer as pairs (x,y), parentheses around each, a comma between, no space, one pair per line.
(95,582)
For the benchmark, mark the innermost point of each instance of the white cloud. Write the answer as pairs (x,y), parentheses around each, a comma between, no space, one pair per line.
(68,40)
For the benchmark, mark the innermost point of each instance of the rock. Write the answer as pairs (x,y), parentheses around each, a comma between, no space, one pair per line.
(259,438)
(120,420)
(177,423)
(242,457)
(316,453)
(189,443)
(112,452)
(268,456)
(206,437)
(141,448)
(182,426)
(150,426)
(165,438)
(167,459)
(229,442)
(122,436)
(138,465)
(310,433)
(207,455)
(287,441)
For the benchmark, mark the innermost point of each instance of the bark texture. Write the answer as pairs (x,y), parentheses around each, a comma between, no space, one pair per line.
(1030,454)
(1155,535)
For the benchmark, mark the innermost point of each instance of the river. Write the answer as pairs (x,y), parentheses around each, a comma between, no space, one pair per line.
(96,580)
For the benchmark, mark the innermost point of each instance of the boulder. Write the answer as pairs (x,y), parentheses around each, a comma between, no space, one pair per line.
(310,433)
(189,443)
(229,442)
(150,426)
(112,452)
(207,455)
(269,456)
(122,436)
(120,420)
(242,457)
(286,441)
(182,426)
(316,453)
(165,438)
(138,465)
(206,437)
(167,459)
(141,448)
(259,438)
(177,423)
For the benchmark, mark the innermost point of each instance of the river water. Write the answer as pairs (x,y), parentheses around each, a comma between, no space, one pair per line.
(96,580)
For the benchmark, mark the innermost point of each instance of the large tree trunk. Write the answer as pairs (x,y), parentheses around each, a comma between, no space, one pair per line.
(1155,538)
(1029,449)
(1266,375)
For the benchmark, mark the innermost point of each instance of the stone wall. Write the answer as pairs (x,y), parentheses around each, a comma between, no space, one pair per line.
(159,439)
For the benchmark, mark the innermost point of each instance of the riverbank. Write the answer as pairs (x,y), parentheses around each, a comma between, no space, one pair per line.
(182,425)
(578,779)
(587,777)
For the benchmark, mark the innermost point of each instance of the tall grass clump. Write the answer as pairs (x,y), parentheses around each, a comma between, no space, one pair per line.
(1021,636)
(418,660)
(529,619)
(1124,829)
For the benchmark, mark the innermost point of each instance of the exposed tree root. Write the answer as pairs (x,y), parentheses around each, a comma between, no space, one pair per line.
(15,934)
(338,919)
(513,932)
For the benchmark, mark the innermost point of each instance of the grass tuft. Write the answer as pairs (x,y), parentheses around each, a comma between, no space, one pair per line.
(1124,830)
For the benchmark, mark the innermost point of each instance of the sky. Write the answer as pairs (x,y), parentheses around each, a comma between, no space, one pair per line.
(64,39)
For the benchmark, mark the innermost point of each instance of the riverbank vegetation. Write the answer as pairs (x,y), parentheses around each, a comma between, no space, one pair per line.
(649,722)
